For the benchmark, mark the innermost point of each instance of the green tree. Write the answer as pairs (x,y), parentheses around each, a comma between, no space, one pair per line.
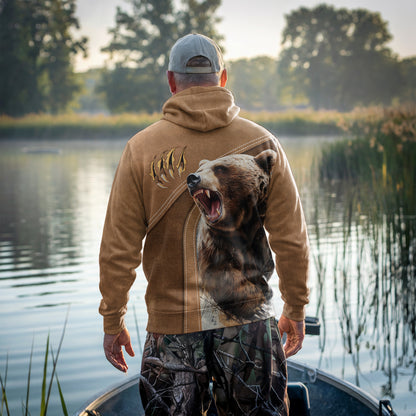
(88,100)
(58,49)
(338,57)
(408,67)
(36,50)
(140,46)
(254,83)
(19,92)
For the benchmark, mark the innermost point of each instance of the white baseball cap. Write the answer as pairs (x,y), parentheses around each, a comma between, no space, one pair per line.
(193,45)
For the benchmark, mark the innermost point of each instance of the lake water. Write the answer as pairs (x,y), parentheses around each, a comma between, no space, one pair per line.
(53,197)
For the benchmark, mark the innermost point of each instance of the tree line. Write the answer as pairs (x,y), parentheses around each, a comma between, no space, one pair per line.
(36,52)
(331,58)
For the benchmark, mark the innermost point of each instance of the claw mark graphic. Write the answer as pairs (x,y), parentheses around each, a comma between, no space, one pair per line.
(182,162)
(163,168)
(169,161)
(154,175)
(162,171)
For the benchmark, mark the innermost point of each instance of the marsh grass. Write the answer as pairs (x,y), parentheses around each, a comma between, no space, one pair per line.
(374,271)
(300,122)
(47,382)
(38,126)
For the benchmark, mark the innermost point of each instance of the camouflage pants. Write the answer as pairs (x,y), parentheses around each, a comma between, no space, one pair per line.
(229,371)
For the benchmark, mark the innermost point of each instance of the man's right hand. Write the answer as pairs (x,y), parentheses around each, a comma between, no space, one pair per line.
(113,349)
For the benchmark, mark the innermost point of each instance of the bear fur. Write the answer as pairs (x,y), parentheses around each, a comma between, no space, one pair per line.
(234,258)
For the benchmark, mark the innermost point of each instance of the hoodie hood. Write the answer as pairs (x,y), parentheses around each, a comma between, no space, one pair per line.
(201,108)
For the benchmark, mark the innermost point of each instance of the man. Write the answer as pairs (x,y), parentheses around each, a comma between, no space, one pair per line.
(202,185)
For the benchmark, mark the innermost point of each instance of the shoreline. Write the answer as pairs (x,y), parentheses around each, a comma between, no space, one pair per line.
(99,126)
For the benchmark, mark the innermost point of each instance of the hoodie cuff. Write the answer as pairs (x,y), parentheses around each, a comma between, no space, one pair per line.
(293,312)
(113,325)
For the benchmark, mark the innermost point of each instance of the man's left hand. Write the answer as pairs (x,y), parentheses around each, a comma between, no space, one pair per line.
(295,331)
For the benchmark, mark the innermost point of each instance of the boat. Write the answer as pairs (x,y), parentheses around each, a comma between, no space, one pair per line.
(312,392)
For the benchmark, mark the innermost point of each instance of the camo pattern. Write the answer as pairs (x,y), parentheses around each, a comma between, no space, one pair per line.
(228,371)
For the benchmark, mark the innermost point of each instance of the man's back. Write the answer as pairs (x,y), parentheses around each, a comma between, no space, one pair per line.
(159,159)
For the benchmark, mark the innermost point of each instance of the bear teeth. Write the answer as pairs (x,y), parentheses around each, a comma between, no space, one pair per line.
(207,193)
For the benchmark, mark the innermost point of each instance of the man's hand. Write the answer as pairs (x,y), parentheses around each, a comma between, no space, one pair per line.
(114,352)
(295,334)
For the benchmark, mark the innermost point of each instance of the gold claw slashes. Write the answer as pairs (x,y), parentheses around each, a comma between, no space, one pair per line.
(163,168)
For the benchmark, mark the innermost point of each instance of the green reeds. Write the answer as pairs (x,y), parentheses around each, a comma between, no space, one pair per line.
(40,126)
(300,122)
(4,402)
(47,382)
(375,271)
(74,126)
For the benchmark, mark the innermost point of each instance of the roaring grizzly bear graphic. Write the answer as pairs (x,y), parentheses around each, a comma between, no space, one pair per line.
(234,259)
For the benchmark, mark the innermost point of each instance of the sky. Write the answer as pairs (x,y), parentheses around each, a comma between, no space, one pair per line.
(250,27)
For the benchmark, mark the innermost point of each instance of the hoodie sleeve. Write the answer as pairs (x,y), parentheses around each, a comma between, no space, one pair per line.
(124,230)
(288,238)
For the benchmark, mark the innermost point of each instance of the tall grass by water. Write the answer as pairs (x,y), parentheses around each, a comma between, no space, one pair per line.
(373,263)
(305,122)
(74,126)
(47,382)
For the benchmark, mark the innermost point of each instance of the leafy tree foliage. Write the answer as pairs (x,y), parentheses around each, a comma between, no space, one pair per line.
(339,57)
(88,100)
(254,83)
(36,48)
(140,46)
(57,51)
(19,90)
(408,68)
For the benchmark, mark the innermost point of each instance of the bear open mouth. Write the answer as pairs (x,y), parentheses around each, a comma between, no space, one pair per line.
(209,202)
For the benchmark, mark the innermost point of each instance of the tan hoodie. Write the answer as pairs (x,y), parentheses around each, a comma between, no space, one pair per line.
(206,259)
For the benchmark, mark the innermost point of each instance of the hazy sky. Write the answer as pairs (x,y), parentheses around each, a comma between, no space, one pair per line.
(251,27)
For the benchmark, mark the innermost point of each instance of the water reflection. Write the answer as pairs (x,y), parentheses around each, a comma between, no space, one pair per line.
(52,205)
(37,216)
